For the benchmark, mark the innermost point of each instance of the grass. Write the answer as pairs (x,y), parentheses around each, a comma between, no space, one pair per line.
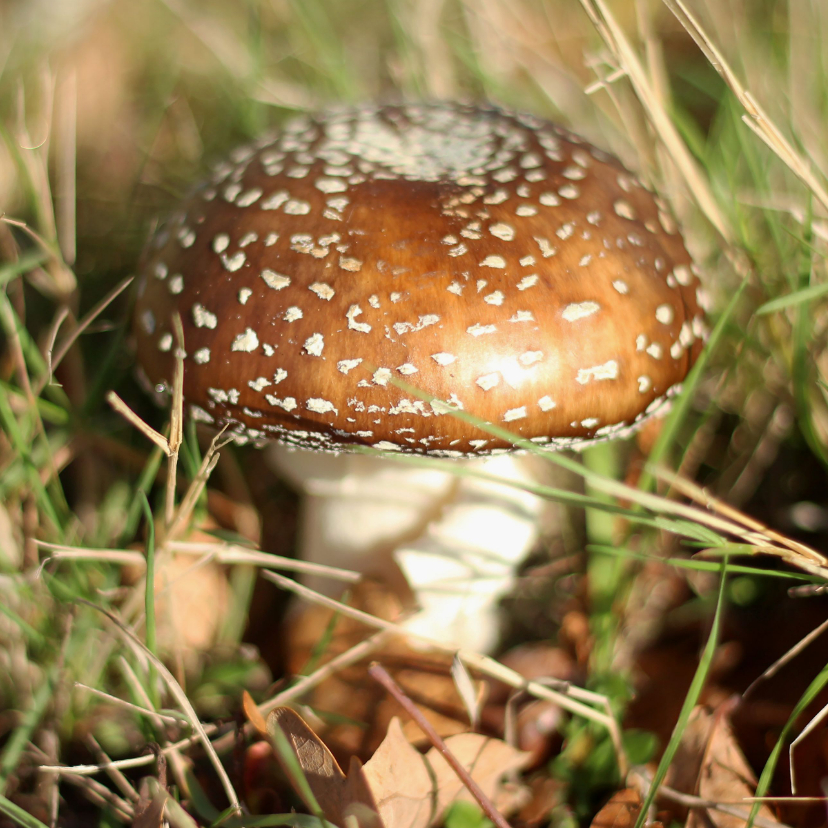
(108,115)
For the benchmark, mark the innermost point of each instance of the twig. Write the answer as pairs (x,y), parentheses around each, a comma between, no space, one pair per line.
(147,430)
(380,674)
(176,422)
(223,553)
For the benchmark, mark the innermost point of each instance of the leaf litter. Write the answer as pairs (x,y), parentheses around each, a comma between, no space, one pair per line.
(399,786)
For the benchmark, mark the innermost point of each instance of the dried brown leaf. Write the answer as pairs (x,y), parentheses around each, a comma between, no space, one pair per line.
(685,768)
(323,774)
(338,796)
(361,802)
(726,776)
(253,715)
(401,781)
(399,787)
(488,761)
(620,812)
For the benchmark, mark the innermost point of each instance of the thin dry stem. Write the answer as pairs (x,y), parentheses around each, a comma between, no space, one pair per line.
(351,656)
(60,317)
(66,166)
(54,359)
(140,691)
(98,794)
(130,416)
(122,783)
(619,45)
(756,117)
(176,422)
(135,708)
(181,698)
(63,286)
(188,503)
(222,553)
(641,778)
(787,657)
(765,539)
(809,728)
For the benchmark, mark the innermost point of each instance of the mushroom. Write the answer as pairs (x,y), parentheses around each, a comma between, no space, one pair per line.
(497,262)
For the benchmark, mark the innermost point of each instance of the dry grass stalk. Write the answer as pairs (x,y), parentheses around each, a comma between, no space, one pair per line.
(183,702)
(756,118)
(223,553)
(133,419)
(622,50)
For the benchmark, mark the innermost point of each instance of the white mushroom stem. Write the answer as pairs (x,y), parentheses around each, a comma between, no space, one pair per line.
(466,560)
(458,541)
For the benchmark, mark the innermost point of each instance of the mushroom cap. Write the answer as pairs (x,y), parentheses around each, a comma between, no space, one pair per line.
(493,260)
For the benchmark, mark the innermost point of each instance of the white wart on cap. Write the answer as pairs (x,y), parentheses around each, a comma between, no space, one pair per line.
(489,258)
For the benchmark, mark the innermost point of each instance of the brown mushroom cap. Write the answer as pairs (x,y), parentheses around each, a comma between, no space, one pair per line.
(493,260)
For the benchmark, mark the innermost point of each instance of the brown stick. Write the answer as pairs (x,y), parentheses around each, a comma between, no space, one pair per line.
(379,673)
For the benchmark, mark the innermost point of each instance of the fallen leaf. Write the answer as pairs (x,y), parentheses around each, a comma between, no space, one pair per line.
(620,812)
(683,774)
(337,795)
(360,799)
(398,787)
(710,764)
(401,782)
(252,712)
(324,776)
(193,599)
(488,761)
(547,795)
(726,777)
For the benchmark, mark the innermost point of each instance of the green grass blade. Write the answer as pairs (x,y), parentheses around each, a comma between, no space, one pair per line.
(790,300)
(690,701)
(26,262)
(142,487)
(22,448)
(699,565)
(681,405)
(16,813)
(813,690)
